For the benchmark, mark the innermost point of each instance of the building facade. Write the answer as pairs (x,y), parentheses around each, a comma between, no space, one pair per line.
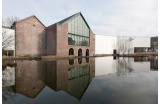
(125,44)
(71,36)
(57,75)
(154,44)
(30,37)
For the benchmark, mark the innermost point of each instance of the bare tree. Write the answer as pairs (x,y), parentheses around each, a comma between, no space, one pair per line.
(122,66)
(120,45)
(9,21)
(123,44)
(7,36)
(7,40)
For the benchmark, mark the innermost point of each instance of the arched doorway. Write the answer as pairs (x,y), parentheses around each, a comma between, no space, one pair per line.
(80,52)
(87,52)
(71,51)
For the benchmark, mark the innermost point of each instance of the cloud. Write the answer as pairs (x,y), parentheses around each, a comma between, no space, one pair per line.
(107,17)
(136,17)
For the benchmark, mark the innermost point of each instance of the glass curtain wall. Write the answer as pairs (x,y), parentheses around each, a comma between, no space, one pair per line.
(78,31)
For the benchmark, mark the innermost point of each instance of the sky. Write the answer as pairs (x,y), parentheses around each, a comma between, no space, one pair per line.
(105,17)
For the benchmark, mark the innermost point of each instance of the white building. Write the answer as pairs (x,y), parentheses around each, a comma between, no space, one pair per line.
(8,39)
(106,44)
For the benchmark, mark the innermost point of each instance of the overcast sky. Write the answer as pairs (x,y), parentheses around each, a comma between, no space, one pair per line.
(105,17)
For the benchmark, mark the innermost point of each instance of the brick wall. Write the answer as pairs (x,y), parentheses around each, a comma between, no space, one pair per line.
(62,39)
(51,39)
(34,39)
(53,74)
(29,77)
(92,43)
(62,42)
(30,37)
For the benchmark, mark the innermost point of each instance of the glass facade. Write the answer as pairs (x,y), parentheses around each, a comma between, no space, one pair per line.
(78,31)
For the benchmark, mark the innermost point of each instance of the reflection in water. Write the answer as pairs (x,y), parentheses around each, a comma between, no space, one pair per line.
(78,80)
(8,81)
(107,65)
(123,66)
(8,78)
(29,77)
(67,75)
(79,60)
(136,64)
(7,93)
(135,88)
(71,61)
(152,59)
(68,82)
(87,60)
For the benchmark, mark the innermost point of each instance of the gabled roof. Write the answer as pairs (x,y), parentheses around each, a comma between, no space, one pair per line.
(28,18)
(68,18)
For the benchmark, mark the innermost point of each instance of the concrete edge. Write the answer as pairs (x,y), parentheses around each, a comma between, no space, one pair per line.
(73,57)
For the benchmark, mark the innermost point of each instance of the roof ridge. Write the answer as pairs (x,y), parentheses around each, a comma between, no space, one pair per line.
(68,18)
(30,17)
(64,20)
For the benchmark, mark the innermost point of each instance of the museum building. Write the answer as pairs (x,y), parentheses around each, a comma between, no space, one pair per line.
(71,36)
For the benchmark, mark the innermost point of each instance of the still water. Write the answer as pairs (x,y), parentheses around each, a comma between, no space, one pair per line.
(101,80)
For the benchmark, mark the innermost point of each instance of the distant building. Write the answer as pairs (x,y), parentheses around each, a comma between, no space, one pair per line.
(125,44)
(154,44)
(8,41)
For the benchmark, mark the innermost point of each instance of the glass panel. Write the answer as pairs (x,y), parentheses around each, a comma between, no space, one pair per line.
(88,41)
(79,30)
(72,26)
(75,25)
(69,26)
(70,40)
(78,25)
(75,40)
(84,26)
(79,41)
(83,29)
(87,32)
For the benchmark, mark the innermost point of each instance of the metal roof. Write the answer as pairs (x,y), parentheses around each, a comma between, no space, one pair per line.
(68,18)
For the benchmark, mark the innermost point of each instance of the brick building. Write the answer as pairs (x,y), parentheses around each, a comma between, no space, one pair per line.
(58,75)
(30,37)
(71,36)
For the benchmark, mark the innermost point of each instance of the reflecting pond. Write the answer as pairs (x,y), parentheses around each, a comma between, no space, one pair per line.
(101,80)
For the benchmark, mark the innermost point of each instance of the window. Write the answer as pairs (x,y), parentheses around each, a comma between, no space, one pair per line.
(71,51)
(78,32)
(87,52)
(80,52)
